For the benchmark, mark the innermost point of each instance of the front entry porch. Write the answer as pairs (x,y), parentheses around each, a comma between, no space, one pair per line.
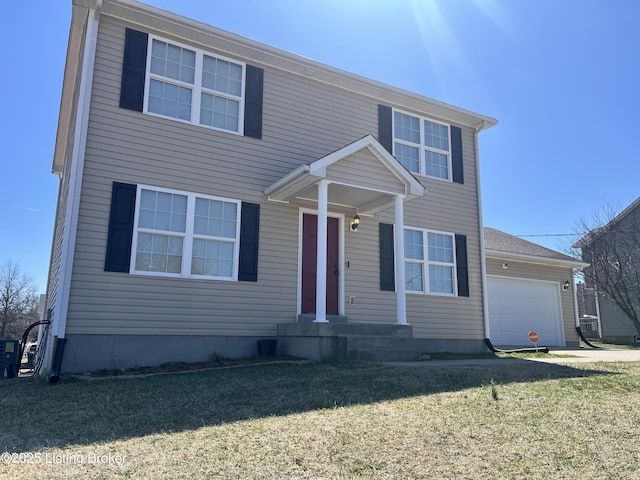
(362,177)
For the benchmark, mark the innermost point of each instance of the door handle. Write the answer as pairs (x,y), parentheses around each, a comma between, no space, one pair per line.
(336,271)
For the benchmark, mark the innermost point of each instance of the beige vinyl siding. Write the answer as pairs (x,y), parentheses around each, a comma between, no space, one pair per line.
(303,120)
(54,280)
(362,278)
(543,272)
(153,305)
(364,169)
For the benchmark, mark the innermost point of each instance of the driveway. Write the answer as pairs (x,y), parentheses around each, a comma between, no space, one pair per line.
(580,355)
(590,355)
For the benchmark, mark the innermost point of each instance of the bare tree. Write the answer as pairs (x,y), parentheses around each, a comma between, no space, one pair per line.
(611,244)
(18,300)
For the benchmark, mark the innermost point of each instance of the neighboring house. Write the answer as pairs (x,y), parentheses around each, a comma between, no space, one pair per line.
(588,311)
(529,287)
(624,231)
(210,187)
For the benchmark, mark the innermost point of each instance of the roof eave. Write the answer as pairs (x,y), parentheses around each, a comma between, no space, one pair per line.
(72,72)
(521,257)
(272,191)
(596,232)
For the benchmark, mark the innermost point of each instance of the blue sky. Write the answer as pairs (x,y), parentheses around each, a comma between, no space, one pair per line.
(561,76)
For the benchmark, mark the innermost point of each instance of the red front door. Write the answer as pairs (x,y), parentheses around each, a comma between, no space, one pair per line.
(309,262)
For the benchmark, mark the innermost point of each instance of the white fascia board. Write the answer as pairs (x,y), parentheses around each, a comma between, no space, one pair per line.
(68,98)
(275,190)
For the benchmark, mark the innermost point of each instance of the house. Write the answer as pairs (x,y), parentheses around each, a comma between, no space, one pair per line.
(530,287)
(215,191)
(617,243)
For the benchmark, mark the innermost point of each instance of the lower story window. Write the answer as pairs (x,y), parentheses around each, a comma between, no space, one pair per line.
(185,235)
(429,262)
(212,258)
(159,253)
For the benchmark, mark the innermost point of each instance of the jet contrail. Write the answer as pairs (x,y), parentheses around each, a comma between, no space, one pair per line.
(27,208)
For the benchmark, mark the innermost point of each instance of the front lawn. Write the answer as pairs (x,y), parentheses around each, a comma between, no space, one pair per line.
(296,421)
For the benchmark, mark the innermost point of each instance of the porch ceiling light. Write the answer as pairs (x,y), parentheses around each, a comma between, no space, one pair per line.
(355,222)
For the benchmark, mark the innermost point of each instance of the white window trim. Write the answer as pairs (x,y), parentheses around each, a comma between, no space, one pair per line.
(422,148)
(426,262)
(197,89)
(188,236)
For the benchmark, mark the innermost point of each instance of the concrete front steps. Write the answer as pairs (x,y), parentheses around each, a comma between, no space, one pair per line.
(343,341)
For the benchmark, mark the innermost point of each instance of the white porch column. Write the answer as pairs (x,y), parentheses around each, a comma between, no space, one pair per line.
(321,267)
(399,260)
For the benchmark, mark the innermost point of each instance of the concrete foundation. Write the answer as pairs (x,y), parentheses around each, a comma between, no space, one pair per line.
(85,353)
(326,342)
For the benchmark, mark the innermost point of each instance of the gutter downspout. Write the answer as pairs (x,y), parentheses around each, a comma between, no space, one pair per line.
(59,323)
(483,263)
(483,259)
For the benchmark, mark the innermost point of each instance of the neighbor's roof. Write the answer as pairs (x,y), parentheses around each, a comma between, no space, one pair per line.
(502,245)
(593,234)
(626,211)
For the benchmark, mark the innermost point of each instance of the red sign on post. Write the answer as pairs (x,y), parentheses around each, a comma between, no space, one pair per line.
(534,337)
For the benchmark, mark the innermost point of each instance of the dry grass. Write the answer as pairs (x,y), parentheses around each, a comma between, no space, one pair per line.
(331,421)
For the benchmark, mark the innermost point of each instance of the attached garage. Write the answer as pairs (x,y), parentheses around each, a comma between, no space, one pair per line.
(529,287)
(517,306)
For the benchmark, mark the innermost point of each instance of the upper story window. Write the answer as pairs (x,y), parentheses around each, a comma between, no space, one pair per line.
(185,235)
(193,86)
(430,262)
(423,146)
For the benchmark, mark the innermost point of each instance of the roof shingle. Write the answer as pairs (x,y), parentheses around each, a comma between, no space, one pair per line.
(503,242)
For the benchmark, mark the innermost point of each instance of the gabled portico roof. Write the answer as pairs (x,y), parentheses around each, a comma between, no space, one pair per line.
(346,187)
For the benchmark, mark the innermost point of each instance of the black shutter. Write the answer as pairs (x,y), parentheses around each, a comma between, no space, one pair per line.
(249,233)
(134,68)
(253,102)
(387,266)
(385,127)
(457,166)
(462,269)
(123,204)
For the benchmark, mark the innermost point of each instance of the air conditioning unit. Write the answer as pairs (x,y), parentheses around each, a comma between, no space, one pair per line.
(9,361)
(636,339)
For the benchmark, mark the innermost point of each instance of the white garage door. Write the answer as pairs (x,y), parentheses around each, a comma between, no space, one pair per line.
(518,306)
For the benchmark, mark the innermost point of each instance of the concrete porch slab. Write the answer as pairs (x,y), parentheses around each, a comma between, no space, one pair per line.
(311,329)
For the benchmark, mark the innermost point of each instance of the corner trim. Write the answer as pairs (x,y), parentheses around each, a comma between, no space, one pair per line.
(59,322)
